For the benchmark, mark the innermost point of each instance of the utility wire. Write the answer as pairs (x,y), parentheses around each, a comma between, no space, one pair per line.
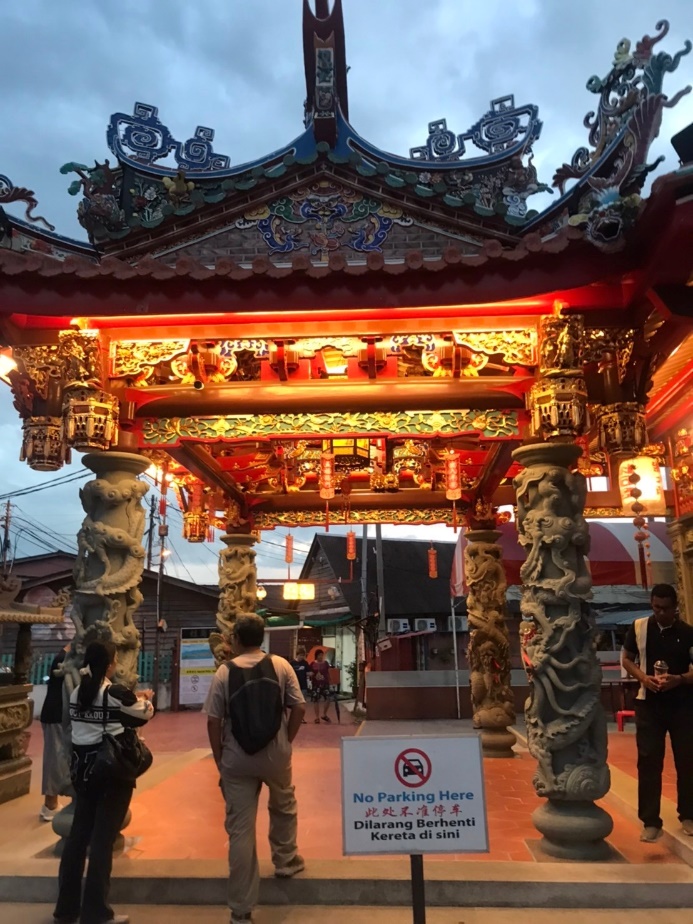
(55,483)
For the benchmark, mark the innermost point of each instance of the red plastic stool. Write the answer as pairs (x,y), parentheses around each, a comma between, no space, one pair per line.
(622,716)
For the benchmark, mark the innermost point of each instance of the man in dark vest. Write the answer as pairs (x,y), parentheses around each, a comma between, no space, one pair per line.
(250,735)
(658,652)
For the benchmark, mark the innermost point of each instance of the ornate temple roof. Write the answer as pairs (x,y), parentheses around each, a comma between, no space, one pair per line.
(331,201)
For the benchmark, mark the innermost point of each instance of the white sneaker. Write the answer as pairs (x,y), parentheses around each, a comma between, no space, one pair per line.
(650,834)
(47,814)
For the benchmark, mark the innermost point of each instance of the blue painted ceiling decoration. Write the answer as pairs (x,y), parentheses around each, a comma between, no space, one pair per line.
(470,186)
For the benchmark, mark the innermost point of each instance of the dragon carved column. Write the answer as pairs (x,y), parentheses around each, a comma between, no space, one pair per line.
(566,725)
(110,561)
(489,648)
(237,583)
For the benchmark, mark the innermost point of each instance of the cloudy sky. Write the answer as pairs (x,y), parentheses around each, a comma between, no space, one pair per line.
(237,67)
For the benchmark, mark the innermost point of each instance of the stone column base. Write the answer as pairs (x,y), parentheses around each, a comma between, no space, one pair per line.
(573,830)
(15,778)
(497,742)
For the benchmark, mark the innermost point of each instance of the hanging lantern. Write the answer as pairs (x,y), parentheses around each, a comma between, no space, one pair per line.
(91,419)
(289,550)
(327,487)
(196,517)
(453,482)
(43,444)
(351,545)
(195,526)
(642,475)
(432,562)
(453,478)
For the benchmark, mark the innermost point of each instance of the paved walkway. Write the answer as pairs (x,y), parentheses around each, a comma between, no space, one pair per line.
(175,914)
(178,810)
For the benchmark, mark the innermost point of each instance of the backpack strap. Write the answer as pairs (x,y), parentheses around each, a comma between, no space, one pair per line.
(104,706)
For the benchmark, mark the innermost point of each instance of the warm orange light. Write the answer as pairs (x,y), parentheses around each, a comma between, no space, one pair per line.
(289,550)
(432,562)
(351,545)
(291,590)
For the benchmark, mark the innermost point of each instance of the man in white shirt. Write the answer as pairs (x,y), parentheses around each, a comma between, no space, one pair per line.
(262,693)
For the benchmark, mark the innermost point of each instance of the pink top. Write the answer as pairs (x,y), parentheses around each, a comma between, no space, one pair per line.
(321,673)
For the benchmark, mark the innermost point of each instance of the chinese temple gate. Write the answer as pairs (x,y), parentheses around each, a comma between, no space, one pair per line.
(333,332)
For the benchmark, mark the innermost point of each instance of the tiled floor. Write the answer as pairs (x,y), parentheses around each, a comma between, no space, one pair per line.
(623,754)
(182,815)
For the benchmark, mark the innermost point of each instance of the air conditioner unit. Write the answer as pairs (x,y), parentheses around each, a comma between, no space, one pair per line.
(460,624)
(397,626)
(425,625)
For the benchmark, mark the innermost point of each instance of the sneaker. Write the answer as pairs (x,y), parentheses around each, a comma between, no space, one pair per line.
(297,865)
(47,814)
(241,918)
(326,718)
(651,834)
(687,825)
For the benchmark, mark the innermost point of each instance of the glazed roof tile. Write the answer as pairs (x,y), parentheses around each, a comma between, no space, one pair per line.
(14,263)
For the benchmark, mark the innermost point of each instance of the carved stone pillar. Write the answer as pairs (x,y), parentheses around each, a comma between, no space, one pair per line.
(110,561)
(681,533)
(566,726)
(237,586)
(16,713)
(489,649)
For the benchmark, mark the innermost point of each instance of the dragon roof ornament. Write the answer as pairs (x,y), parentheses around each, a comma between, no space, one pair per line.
(628,119)
(11,193)
(606,199)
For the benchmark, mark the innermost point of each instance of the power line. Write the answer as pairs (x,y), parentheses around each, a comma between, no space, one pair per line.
(55,483)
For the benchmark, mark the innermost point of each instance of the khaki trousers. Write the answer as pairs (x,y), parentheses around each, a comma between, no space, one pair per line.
(241,786)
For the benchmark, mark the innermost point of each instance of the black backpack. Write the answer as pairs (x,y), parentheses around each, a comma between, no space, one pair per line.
(255,704)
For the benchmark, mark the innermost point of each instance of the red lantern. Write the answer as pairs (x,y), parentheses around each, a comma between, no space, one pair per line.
(351,545)
(453,477)
(289,552)
(432,562)
(327,475)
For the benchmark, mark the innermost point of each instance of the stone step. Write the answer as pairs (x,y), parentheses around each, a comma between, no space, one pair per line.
(385,883)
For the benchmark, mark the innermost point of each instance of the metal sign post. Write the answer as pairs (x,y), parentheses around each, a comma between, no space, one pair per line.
(413,795)
(418,888)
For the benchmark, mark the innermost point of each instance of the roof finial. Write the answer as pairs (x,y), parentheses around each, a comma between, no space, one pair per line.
(324,51)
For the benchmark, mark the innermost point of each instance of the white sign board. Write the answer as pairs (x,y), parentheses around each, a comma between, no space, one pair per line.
(413,795)
(196,667)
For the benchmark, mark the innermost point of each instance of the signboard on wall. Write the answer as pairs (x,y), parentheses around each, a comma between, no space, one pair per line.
(196,666)
(414,795)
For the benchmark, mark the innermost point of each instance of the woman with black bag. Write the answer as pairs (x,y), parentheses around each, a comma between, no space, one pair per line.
(100,712)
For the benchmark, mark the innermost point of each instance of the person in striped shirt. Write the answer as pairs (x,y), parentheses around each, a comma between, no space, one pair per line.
(100,809)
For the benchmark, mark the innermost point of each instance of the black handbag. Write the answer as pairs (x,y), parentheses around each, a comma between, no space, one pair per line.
(123,758)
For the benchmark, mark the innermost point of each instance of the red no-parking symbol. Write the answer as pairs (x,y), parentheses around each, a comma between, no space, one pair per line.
(413,768)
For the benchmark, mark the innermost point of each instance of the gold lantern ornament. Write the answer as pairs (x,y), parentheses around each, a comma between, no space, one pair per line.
(43,444)
(90,418)
(195,513)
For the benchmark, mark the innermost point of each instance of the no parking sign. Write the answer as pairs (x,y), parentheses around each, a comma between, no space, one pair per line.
(413,796)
